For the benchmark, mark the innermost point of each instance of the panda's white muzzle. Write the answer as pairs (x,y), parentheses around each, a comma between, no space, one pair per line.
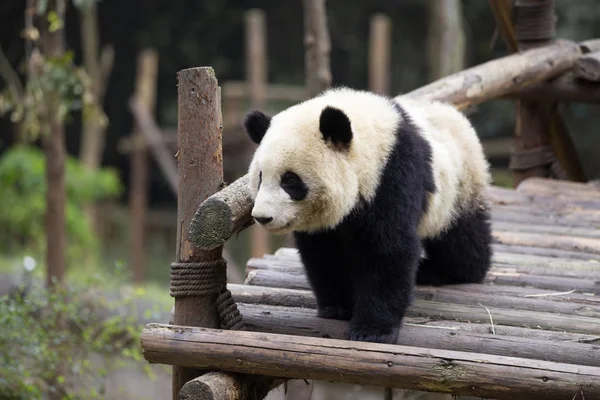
(273,208)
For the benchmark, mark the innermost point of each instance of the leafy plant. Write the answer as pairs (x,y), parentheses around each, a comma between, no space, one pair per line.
(22,195)
(63,342)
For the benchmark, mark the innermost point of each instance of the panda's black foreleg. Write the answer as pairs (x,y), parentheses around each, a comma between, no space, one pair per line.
(384,292)
(462,254)
(324,262)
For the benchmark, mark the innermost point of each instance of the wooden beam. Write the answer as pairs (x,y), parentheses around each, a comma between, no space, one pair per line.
(452,335)
(565,88)
(501,76)
(138,189)
(286,356)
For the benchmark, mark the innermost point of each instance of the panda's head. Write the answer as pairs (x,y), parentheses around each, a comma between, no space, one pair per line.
(301,177)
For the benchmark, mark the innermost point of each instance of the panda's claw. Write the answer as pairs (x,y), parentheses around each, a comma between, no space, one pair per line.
(373,334)
(334,312)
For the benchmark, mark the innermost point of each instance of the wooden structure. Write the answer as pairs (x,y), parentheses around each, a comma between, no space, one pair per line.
(530,331)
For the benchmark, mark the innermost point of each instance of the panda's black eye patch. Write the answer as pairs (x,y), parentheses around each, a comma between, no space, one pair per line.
(294,185)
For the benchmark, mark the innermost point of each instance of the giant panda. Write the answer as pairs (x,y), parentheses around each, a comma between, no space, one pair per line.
(366,183)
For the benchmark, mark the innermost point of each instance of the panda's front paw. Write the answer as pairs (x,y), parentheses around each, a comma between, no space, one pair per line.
(374,334)
(334,312)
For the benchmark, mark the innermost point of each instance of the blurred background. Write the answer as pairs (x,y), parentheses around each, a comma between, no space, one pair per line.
(120,208)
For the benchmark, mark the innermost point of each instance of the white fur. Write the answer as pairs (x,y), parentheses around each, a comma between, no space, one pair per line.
(460,169)
(336,179)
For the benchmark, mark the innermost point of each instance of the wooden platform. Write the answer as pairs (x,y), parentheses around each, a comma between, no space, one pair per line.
(530,331)
(540,301)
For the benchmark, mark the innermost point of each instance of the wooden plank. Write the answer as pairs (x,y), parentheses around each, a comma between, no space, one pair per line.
(295,279)
(450,336)
(286,356)
(426,296)
(552,241)
(502,263)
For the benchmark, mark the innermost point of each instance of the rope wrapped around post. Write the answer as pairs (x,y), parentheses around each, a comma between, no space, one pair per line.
(206,278)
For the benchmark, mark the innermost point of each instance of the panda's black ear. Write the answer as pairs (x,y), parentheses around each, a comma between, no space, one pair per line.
(256,124)
(335,126)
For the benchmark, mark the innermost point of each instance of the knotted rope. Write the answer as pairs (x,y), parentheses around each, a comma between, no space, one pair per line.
(206,278)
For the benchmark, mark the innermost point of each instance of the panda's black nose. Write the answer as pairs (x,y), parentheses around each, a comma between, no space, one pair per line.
(263,220)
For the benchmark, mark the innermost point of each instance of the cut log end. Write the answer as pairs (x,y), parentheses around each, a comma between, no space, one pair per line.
(211,386)
(212,225)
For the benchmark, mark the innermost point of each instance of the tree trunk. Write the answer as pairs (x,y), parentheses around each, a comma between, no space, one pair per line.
(446,38)
(54,147)
(98,68)
(138,198)
(317,45)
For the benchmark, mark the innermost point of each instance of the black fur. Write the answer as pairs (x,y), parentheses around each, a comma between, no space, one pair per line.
(335,127)
(294,186)
(365,269)
(462,254)
(256,124)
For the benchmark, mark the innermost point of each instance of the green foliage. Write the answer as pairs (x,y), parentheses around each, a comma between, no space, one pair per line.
(64,342)
(22,195)
(55,87)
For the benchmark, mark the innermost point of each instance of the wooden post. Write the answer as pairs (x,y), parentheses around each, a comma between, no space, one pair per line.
(318,47)
(540,131)
(200,169)
(138,197)
(379,54)
(446,38)
(256,75)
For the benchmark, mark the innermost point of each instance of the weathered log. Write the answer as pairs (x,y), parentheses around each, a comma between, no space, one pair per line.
(564,88)
(553,187)
(554,346)
(552,241)
(444,371)
(532,312)
(224,386)
(222,215)
(540,251)
(588,67)
(502,263)
(424,295)
(557,209)
(291,280)
(501,76)
(200,170)
(577,231)
(546,218)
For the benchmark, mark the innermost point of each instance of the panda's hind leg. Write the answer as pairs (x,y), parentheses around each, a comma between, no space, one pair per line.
(462,254)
